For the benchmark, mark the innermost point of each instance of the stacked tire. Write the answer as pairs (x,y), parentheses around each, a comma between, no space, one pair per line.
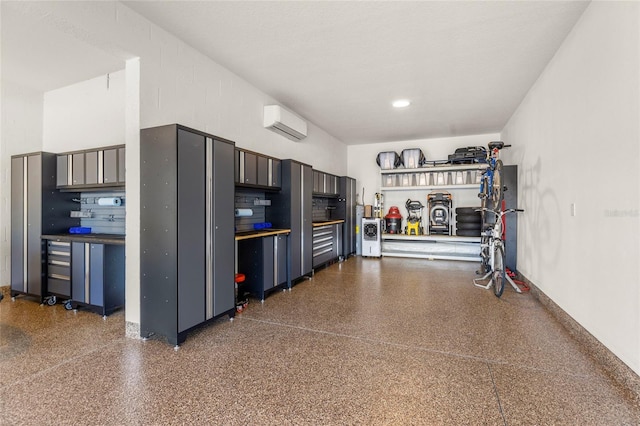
(468,222)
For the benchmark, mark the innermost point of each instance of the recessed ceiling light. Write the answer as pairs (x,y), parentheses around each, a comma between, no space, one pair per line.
(401,103)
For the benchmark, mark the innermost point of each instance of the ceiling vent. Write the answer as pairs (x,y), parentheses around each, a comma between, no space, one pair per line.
(284,122)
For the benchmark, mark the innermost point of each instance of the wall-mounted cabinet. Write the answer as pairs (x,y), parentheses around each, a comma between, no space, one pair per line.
(325,184)
(256,170)
(91,169)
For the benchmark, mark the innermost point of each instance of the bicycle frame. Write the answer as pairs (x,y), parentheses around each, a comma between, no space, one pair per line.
(490,190)
(496,270)
(489,172)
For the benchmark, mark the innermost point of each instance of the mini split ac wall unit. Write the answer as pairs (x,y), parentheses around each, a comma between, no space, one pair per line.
(284,122)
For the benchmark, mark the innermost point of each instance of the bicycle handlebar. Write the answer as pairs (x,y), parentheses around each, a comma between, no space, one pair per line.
(501,212)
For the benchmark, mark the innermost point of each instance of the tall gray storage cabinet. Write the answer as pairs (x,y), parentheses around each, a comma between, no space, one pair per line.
(36,208)
(291,209)
(346,210)
(510,179)
(187,230)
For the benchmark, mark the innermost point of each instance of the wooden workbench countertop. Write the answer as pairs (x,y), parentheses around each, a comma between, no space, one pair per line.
(328,222)
(260,233)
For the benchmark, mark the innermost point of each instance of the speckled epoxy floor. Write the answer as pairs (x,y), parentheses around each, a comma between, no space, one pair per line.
(366,341)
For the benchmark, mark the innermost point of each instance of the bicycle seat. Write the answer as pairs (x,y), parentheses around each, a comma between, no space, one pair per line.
(496,144)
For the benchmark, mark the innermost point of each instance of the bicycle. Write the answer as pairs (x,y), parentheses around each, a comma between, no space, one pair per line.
(493,255)
(491,187)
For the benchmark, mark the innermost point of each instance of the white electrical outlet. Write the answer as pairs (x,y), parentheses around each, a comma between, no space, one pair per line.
(573,209)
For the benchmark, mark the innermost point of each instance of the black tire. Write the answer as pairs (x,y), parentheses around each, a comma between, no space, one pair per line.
(497,190)
(485,257)
(484,197)
(468,226)
(468,233)
(469,218)
(466,210)
(499,271)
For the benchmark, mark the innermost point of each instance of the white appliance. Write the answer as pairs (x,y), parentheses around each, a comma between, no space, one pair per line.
(284,122)
(371,237)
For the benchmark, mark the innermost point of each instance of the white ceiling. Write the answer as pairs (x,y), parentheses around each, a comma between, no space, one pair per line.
(465,66)
(39,57)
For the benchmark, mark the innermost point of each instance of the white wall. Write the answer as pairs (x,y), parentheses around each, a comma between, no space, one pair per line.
(21,112)
(88,114)
(576,139)
(363,167)
(178,84)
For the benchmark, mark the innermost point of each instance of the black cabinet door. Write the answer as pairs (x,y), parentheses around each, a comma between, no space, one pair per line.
(91,167)
(77,169)
(262,170)
(191,229)
(79,276)
(62,170)
(296,219)
(307,219)
(18,225)
(280,259)
(110,166)
(87,273)
(121,165)
(250,168)
(236,165)
(318,182)
(223,194)
(332,187)
(35,246)
(275,172)
(268,248)
(96,274)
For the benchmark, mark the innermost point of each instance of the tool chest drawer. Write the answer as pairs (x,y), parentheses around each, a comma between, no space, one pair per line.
(59,286)
(59,268)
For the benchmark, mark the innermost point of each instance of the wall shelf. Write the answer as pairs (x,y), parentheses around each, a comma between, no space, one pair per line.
(445,247)
(448,168)
(463,176)
(433,238)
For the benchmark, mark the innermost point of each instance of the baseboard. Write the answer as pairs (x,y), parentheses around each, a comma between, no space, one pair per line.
(613,366)
(132,330)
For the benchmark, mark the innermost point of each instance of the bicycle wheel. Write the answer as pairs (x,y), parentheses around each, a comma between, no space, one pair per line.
(484,196)
(499,273)
(496,188)
(485,255)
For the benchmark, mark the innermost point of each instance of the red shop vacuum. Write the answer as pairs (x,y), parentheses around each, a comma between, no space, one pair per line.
(393,221)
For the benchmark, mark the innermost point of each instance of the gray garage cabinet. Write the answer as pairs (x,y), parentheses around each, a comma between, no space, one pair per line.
(187,230)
